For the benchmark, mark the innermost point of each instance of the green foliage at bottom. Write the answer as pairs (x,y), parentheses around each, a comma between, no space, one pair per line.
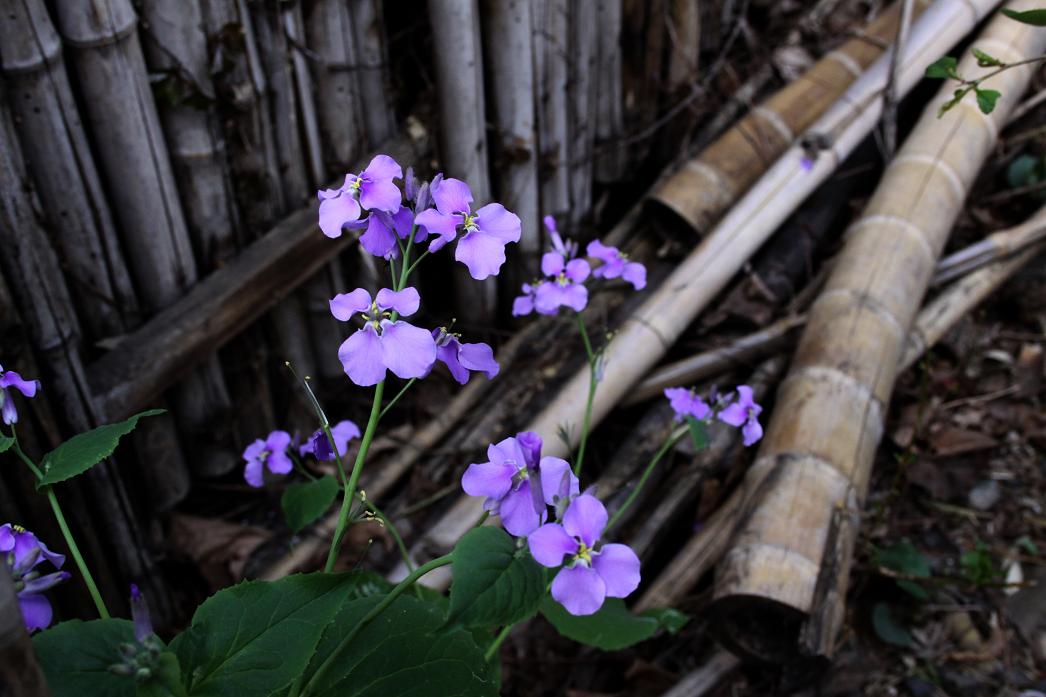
(75,657)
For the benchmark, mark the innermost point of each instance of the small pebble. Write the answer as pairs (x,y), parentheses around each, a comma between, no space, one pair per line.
(985,495)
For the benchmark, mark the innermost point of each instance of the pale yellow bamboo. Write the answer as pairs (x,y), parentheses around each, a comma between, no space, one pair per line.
(994,247)
(707,185)
(790,557)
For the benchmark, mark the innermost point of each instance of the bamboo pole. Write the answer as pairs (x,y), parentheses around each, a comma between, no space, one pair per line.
(784,577)
(463,139)
(20,674)
(330,33)
(609,106)
(294,29)
(705,678)
(508,48)
(582,92)
(550,77)
(372,59)
(683,28)
(708,184)
(646,335)
(994,247)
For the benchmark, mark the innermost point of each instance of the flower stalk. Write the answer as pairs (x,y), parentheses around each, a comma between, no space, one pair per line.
(593,382)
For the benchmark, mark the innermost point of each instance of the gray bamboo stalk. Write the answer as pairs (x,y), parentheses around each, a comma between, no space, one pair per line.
(63,169)
(582,93)
(20,674)
(293,26)
(508,47)
(610,103)
(330,33)
(550,21)
(371,62)
(463,138)
(135,164)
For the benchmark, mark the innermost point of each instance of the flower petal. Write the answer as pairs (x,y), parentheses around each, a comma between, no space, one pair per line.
(361,357)
(36,611)
(277,441)
(550,543)
(480,358)
(383,167)
(585,518)
(488,479)
(618,566)
(518,515)
(448,354)
(552,263)
(635,273)
(504,225)
(343,432)
(578,270)
(452,196)
(336,212)
(483,254)
(406,350)
(598,250)
(379,239)
(579,589)
(522,305)
(557,480)
(280,463)
(751,431)
(735,415)
(252,472)
(405,302)
(13,379)
(345,305)
(380,195)
(445,227)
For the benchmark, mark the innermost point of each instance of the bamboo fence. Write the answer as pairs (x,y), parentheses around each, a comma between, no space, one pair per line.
(780,589)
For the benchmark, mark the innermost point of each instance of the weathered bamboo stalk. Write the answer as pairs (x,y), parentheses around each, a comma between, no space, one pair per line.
(995,247)
(784,578)
(609,106)
(644,33)
(330,33)
(644,337)
(700,681)
(294,29)
(20,674)
(372,61)
(463,138)
(550,19)
(508,47)
(708,184)
(683,28)
(582,91)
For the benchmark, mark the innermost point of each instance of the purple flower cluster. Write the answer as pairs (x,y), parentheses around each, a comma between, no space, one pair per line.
(519,485)
(564,279)
(10,380)
(740,411)
(270,453)
(23,553)
(320,447)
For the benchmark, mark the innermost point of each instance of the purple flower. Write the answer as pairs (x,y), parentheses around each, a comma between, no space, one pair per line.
(461,358)
(590,573)
(143,624)
(12,380)
(319,447)
(271,453)
(371,189)
(22,553)
(383,229)
(524,304)
(486,232)
(687,403)
(567,249)
(744,413)
(565,287)
(383,343)
(518,482)
(616,265)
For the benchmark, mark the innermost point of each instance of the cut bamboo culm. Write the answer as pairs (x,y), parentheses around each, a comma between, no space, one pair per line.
(708,184)
(550,20)
(331,34)
(643,338)
(582,92)
(371,61)
(781,587)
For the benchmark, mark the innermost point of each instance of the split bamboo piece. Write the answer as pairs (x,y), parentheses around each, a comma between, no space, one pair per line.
(331,35)
(582,93)
(996,246)
(708,184)
(781,587)
(644,337)
(550,20)
(20,674)
(372,58)
(609,107)
(705,678)
(463,138)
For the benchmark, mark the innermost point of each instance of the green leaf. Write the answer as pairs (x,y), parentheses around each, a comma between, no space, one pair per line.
(254,638)
(612,628)
(904,558)
(1036,18)
(304,502)
(1026,543)
(1025,170)
(402,652)
(985,60)
(888,628)
(942,68)
(5,443)
(166,680)
(977,565)
(698,433)
(495,581)
(82,452)
(671,620)
(75,657)
(912,588)
(986,100)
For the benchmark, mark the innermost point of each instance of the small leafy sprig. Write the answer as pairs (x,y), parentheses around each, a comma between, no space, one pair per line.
(946,68)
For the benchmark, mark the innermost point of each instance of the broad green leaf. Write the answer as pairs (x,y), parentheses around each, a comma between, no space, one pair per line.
(75,657)
(888,628)
(402,652)
(985,60)
(698,433)
(670,619)
(1036,18)
(82,452)
(306,501)
(1025,170)
(166,680)
(254,638)
(5,443)
(943,68)
(903,557)
(610,629)
(986,100)
(495,581)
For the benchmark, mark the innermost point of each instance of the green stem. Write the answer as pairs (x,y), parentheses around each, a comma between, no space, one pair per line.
(413,266)
(671,440)
(349,491)
(403,390)
(74,550)
(492,650)
(374,612)
(592,384)
(393,531)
